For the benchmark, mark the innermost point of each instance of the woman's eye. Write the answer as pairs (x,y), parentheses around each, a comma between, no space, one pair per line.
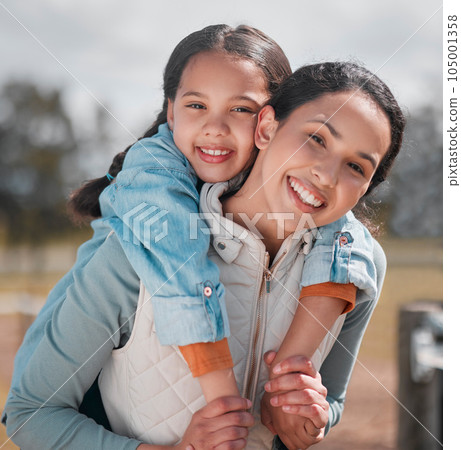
(356,168)
(242,109)
(316,139)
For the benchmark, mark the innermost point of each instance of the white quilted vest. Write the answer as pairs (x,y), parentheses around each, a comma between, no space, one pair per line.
(147,389)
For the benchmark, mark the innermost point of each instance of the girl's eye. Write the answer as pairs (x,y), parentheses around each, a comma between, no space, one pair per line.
(356,168)
(195,106)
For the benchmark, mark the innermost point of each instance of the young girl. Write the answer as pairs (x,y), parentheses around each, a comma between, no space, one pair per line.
(332,130)
(215,82)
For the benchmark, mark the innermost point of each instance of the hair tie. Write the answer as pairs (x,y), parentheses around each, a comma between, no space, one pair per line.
(109,176)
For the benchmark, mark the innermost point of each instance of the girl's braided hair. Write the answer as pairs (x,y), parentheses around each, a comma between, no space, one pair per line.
(242,41)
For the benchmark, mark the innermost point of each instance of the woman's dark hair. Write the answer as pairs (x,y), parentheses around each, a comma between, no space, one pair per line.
(311,82)
(243,42)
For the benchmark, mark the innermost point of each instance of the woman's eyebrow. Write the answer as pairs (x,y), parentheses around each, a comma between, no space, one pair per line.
(368,157)
(333,131)
(244,98)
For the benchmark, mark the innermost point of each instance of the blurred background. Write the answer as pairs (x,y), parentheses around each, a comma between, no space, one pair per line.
(79,81)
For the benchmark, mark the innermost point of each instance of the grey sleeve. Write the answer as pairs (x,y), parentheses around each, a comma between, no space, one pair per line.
(96,317)
(337,367)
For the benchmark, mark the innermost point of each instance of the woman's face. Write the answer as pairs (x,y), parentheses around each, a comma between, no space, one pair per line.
(320,160)
(214,114)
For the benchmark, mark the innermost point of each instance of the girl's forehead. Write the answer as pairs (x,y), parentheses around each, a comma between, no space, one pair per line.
(217,67)
(213,58)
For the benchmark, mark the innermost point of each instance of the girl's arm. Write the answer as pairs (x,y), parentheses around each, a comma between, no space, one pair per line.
(219,383)
(211,363)
(153,207)
(313,318)
(294,391)
(300,391)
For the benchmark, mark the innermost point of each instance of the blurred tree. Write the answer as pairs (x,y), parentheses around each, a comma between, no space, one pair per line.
(36,137)
(415,187)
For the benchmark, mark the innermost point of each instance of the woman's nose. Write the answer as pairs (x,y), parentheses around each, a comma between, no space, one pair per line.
(326,173)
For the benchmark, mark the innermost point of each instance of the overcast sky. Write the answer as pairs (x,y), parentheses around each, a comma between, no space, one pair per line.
(115,51)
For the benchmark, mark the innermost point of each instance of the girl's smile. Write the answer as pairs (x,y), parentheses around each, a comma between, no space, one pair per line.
(214,114)
(214,154)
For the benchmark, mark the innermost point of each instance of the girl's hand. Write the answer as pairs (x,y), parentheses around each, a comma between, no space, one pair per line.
(294,405)
(222,425)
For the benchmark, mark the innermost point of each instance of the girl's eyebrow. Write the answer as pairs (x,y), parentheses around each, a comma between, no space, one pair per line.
(193,94)
(236,97)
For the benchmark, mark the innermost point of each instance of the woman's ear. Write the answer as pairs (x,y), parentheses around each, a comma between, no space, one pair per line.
(169,114)
(266,127)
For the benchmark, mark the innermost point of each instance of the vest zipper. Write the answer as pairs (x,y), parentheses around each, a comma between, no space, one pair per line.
(264,289)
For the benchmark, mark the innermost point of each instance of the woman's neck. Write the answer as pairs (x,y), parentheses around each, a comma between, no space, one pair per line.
(248,211)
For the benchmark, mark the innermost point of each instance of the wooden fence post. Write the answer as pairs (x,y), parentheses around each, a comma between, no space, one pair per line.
(420,376)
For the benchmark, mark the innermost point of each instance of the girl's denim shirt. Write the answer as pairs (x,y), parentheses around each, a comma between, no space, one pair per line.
(153,207)
(342,252)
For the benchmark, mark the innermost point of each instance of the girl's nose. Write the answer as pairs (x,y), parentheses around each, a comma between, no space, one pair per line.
(215,126)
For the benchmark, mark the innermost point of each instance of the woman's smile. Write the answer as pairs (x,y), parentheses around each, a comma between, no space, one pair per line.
(308,195)
(320,159)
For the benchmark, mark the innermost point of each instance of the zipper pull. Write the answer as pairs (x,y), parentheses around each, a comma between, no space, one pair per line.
(268,278)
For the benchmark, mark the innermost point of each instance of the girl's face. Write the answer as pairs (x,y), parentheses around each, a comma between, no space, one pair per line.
(214,114)
(320,160)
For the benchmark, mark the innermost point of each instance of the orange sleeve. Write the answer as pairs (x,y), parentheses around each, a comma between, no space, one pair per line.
(205,357)
(346,292)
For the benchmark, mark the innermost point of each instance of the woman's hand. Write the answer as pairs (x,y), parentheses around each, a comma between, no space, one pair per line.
(294,405)
(220,425)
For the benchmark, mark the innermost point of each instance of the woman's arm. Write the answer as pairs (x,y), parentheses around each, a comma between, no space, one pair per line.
(95,317)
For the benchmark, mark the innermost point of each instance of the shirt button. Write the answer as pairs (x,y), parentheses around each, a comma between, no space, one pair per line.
(207,291)
(343,241)
(221,245)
